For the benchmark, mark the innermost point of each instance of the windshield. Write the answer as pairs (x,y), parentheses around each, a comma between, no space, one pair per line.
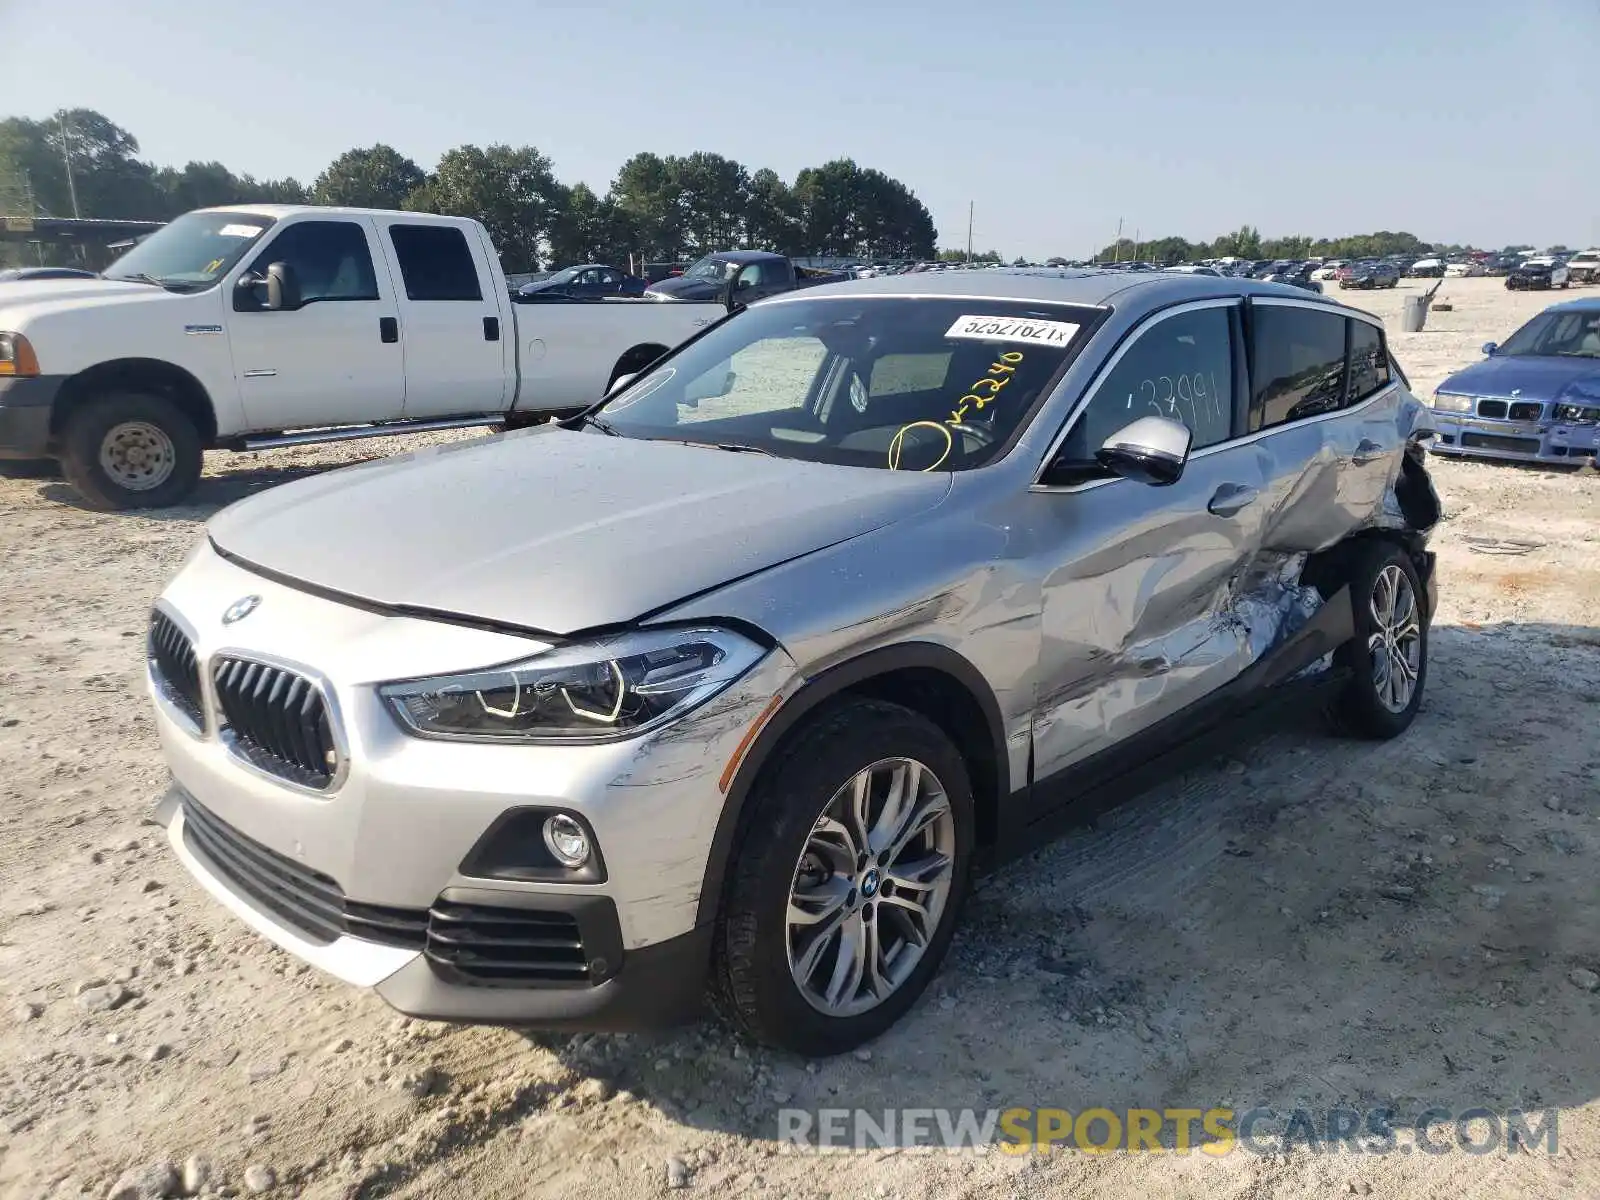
(566,276)
(710,267)
(897,383)
(193,252)
(1568,334)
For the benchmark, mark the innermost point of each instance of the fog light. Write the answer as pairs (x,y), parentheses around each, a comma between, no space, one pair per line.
(566,839)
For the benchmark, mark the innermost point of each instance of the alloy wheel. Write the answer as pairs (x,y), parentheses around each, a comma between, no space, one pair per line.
(870,887)
(1396,641)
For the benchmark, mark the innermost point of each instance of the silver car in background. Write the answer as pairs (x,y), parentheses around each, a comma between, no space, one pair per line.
(725,686)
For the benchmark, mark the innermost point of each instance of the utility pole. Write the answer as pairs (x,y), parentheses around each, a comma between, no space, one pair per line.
(1116,245)
(971,204)
(1136,243)
(66,154)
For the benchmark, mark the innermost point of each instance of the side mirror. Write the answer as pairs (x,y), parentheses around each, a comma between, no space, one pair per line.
(1151,450)
(620,382)
(1490,347)
(283,290)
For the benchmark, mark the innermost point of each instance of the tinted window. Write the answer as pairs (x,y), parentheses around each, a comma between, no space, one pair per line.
(330,260)
(435,262)
(910,384)
(1369,361)
(1180,368)
(1298,364)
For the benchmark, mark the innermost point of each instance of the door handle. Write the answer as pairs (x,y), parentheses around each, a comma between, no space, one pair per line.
(388,329)
(1230,499)
(491,329)
(1366,451)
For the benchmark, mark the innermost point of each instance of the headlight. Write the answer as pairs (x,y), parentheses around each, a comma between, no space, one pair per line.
(1577,414)
(598,691)
(1443,402)
(17,356)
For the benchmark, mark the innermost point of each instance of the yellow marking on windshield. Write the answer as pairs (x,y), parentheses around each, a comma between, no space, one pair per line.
(998,376)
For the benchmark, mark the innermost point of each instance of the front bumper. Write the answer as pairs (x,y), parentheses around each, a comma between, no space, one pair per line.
(25,407)
(389,859)
(648,987)
(1544,441)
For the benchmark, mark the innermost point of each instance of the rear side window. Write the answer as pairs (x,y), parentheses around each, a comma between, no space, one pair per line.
(435,262)
(1298,358)
(1369,361)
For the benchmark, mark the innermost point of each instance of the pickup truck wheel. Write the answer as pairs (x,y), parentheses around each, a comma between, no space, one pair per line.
(846,882)
(131,450)
(1388,658)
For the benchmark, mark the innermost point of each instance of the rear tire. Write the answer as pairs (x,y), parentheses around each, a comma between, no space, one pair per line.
(131,450)
(1387,659)
(775,979)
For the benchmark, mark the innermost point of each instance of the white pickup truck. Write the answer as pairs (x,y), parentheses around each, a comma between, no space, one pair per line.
(267,325)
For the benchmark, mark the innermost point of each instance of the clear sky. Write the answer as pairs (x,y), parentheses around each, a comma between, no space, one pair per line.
(1461,120)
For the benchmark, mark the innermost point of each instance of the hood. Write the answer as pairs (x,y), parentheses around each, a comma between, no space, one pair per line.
(44,295)
(1576,380)
(680,287)
(559,531)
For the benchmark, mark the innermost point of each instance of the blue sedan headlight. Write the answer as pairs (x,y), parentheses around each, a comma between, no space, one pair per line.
(1445,402)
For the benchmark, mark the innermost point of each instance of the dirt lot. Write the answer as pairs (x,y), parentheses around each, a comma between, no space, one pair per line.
(1306,922)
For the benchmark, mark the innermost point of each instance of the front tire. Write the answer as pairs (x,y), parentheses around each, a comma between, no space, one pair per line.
(131,450)
(846,880)
(1387,660)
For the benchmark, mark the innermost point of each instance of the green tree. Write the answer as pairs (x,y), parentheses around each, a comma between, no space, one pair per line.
(377,177)
(772,214)
(713,196)
(587,228)
(107,176)
(512,191)
(645,196)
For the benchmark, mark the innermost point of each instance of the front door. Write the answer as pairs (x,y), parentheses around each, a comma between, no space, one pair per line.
(325,361)
(450,321)
(1138,580)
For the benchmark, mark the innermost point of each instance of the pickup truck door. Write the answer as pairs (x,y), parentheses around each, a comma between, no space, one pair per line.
(330,359)
(451,320)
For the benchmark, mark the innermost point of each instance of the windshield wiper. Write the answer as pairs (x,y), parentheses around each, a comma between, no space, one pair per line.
(600,423)
(139,277)
(741,448)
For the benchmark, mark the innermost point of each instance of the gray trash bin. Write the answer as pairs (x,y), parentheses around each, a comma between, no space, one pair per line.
(1415,315)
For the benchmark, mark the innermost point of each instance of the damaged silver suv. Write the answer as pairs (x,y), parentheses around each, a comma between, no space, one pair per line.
(724,687)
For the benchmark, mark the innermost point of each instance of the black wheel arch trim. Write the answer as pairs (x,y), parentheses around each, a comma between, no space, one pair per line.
(815,692)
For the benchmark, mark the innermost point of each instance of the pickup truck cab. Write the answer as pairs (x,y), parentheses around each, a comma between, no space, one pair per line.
(259,326)
(752,274)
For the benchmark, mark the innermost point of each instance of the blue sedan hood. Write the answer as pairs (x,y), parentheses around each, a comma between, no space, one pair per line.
(1575,380)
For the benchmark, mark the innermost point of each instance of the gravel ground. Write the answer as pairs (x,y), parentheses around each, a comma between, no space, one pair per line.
(1305,921)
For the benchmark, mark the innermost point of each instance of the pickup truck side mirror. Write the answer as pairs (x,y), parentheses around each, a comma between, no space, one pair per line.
(283,289)
(1490,347)
(276,291)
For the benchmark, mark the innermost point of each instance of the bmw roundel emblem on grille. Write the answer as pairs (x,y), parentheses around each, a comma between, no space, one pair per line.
(240,609)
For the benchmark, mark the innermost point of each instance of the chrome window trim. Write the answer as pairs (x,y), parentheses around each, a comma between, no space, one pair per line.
(324,688)
(162,688)
(1155,318)
(800,294)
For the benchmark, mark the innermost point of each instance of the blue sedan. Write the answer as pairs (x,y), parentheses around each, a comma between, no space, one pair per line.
(1535,398)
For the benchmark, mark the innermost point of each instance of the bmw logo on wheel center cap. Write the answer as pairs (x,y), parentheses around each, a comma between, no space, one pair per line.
(240,609)
(869,883)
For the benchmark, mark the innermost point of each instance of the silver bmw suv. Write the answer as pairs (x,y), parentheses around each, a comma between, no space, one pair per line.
(725,687)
